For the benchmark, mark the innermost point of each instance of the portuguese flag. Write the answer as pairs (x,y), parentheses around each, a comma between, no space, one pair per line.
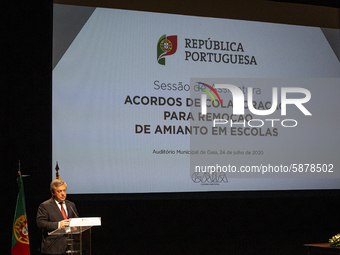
(20,239)
(167,45)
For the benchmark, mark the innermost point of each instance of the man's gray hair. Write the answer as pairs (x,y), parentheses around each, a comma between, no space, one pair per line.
(56,183)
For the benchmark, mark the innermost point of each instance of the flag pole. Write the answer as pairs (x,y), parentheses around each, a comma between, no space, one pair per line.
(19,173)
(57,173)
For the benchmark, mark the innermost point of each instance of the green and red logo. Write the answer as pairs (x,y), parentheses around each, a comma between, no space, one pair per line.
(166,46)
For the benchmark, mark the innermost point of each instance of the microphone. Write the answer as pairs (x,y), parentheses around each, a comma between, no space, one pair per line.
(74,212)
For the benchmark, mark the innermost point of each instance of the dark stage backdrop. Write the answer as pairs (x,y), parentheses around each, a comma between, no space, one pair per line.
(209,223)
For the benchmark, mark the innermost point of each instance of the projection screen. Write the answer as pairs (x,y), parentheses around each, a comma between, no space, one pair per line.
(148,102)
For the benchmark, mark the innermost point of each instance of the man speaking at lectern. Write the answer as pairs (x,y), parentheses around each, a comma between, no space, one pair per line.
(52,214)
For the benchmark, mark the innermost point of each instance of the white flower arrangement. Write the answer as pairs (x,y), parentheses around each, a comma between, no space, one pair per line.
(335,240)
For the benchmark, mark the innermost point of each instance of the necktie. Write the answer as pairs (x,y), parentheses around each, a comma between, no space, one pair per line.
(63,212)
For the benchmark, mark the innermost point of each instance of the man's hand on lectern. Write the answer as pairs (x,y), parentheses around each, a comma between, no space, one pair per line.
(64,223)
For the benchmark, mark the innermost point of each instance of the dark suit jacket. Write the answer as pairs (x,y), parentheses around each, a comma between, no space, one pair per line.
(48,216)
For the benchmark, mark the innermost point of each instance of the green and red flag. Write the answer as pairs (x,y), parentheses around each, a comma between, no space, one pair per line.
(20,239)
(167,45)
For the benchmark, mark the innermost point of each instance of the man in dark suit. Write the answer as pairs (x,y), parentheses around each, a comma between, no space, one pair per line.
(52,214)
